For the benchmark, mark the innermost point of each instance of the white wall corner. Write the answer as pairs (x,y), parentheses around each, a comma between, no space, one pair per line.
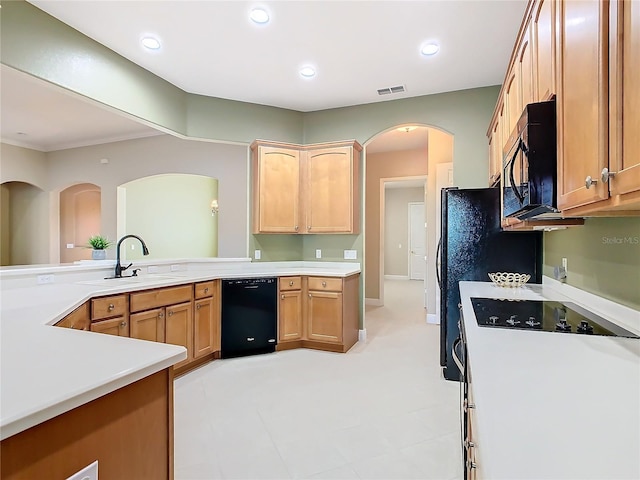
(362,335)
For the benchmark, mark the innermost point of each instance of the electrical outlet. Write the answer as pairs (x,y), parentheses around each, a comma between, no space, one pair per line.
(318,253)
(90,472)
(257,254)
(152,269)
(70,245)
(350,254)
(175,267)
(44,279)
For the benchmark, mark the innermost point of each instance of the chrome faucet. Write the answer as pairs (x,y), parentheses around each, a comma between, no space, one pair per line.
(120,268)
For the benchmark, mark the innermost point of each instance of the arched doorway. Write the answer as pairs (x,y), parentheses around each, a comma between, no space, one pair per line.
(407,156)
(24,229)
(80,218)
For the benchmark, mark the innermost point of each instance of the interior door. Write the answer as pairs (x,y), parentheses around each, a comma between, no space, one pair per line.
(417,241)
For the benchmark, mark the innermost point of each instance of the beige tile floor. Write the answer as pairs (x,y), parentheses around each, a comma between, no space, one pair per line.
(380,411)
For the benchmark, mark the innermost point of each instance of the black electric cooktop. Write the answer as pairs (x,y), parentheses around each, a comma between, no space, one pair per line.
(544,315)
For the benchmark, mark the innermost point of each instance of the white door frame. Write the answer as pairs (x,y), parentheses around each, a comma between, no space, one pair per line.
(383,226)
(424,206)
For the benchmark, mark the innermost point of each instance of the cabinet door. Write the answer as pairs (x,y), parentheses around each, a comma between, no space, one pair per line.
(512,103)
(277,190)
(290,316)
(324,316)
(624,157)
(543,34)
(118,326)
(525,66)
(582,101)
(205,327)
(330,195)
(148,325)
(178,330)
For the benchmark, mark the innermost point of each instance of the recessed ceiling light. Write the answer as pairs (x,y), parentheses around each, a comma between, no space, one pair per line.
(151,43)
(307,72)
(259,15)
(430,48)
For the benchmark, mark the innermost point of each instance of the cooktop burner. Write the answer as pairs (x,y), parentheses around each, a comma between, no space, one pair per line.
(545,315)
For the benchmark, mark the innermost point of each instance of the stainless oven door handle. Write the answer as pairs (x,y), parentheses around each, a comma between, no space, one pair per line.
(457,360)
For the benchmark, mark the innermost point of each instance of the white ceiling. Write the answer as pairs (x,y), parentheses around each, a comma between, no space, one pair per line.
(211,48)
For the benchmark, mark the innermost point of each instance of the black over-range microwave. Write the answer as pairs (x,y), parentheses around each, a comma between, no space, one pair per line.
(529,175)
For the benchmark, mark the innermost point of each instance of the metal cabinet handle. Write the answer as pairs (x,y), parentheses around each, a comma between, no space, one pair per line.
(170,312)
(291,283)
(588,182)
(309,295)
(111,306)
(296,228)
(469,444)
(324,284)
(606,175)
(282,296)
(471,465)
(198,306)
(161,315)
(206,290)
(308,227)
(123,324)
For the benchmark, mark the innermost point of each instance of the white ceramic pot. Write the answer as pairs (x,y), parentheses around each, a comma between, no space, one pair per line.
(98,254)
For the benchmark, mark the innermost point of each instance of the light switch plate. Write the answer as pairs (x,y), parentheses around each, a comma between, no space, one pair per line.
(318,253)
(70,245)
(350,254)
(90,472)
(257,254)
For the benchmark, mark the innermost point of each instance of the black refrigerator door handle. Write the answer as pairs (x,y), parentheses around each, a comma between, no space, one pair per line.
(438,262)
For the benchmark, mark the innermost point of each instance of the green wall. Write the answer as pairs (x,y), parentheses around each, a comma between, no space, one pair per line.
(603,257)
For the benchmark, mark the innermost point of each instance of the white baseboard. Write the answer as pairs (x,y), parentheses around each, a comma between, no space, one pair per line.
(376,302)
(432,318)
(396,277)
(362,335)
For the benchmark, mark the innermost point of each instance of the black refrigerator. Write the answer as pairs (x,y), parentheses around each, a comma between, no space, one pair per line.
(471,245)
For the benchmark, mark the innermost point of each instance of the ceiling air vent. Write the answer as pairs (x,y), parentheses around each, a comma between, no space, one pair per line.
(388,90)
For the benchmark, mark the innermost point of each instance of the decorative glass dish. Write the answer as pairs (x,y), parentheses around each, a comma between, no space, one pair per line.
(509,280)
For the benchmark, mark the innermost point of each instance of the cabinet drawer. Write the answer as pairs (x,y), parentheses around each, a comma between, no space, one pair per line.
(106,307)
(160,298)
(290,283)
(204,289)
(325,283)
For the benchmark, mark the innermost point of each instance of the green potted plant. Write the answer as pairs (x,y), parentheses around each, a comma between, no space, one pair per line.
(99,244)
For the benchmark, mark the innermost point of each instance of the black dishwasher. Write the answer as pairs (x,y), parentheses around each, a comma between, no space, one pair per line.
(249,316)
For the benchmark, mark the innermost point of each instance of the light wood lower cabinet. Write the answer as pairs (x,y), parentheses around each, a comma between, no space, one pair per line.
(290,309)
(321,313)
(206,319)
(78,319)
(118,326)
(148,325)
(110,315)
(324,316)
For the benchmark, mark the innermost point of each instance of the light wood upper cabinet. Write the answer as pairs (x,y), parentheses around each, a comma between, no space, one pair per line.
(305,189)
(277,205)
(331,189)
(543,49)
(512,103)
(582,102)
(525,71)
(624,121)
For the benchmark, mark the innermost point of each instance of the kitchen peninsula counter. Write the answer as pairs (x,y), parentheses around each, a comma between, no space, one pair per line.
(46,371)
(553,405)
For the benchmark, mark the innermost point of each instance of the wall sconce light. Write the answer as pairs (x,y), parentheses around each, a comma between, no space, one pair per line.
(214,208)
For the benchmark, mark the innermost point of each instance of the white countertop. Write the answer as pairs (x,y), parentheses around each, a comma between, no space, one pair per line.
(46,371)
(552,405)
